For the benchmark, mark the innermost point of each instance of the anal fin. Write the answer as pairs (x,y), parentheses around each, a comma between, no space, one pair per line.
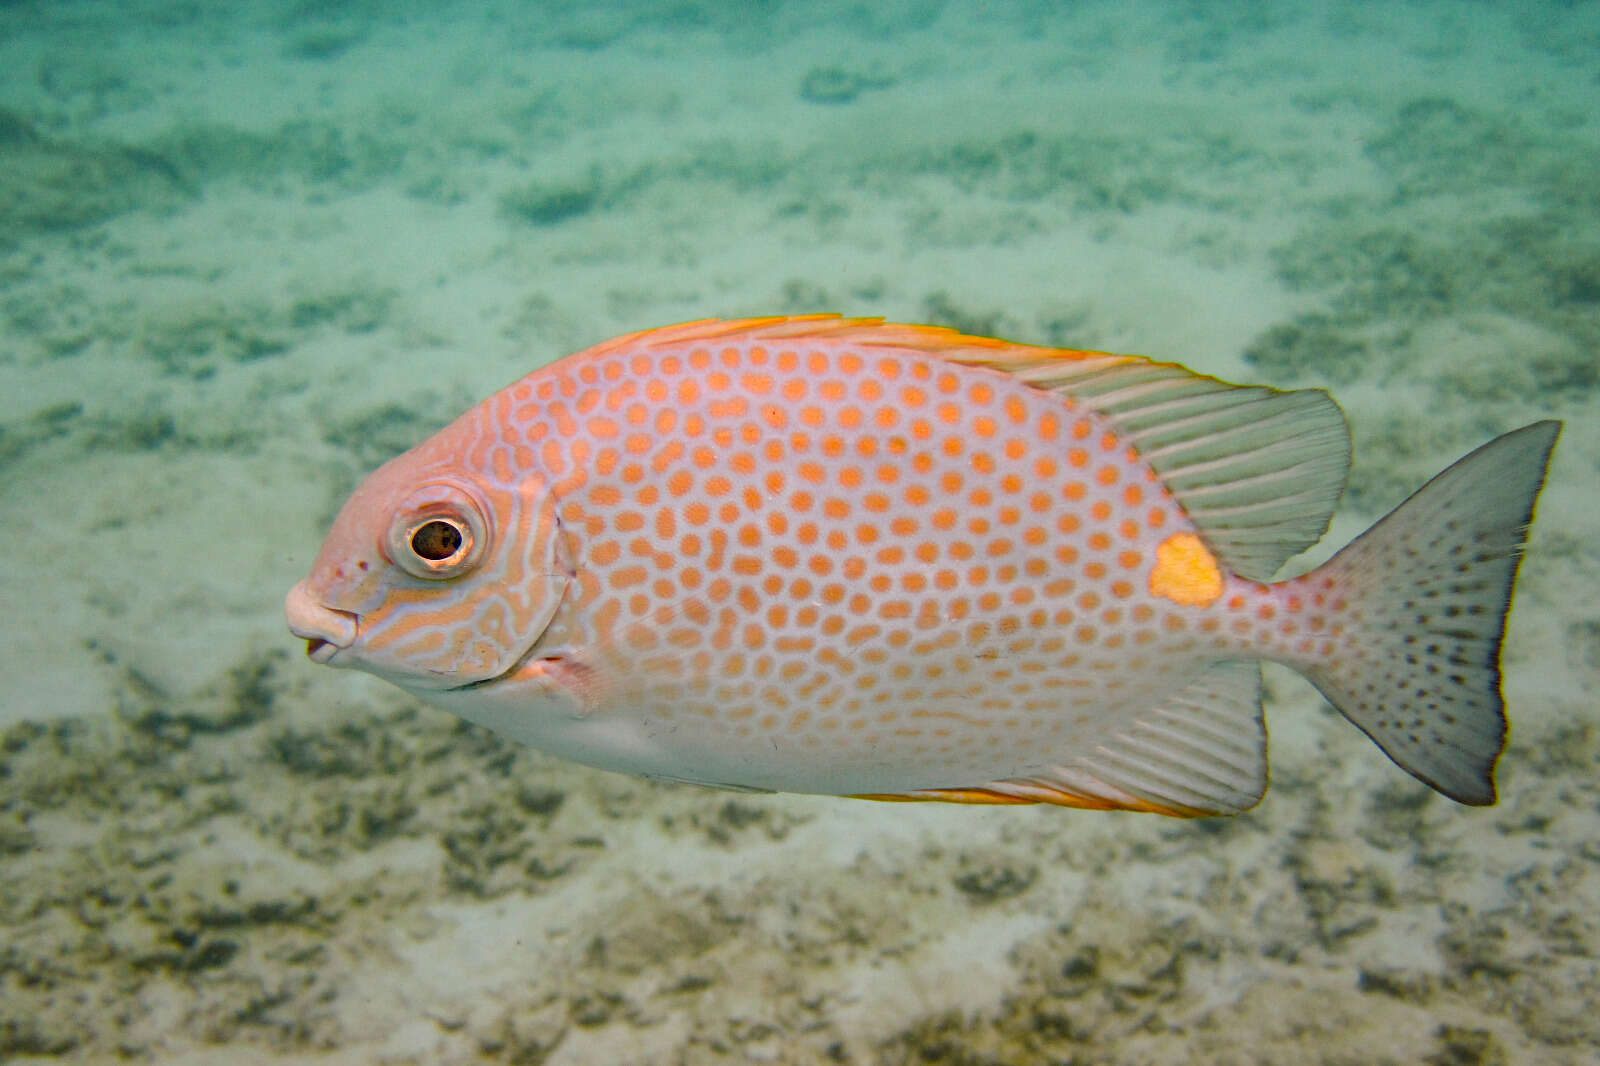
(1203,752)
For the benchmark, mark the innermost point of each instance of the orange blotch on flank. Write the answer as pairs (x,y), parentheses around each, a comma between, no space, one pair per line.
(1186,572)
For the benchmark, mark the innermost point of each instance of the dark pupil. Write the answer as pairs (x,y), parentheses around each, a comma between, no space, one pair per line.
(436,540)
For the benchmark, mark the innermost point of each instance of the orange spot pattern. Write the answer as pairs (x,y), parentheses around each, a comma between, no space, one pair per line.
(870,552)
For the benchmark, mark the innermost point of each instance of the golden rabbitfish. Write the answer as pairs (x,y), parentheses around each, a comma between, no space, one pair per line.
(851,557)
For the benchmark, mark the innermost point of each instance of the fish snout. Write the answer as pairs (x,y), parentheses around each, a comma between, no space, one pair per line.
(325,630)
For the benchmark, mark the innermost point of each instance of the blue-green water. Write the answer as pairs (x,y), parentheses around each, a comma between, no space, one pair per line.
(249,251)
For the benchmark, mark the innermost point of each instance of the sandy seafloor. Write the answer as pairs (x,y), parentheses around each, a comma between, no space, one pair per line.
(248,251)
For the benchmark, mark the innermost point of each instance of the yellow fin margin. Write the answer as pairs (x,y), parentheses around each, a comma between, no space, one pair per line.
(935,340)
(1055,796)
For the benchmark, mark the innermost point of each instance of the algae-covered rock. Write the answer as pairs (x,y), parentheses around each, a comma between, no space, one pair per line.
(548,203)
(51,186)
(840,85)
(1310,346)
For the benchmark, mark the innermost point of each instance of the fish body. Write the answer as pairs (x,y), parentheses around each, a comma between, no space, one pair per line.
(850,557)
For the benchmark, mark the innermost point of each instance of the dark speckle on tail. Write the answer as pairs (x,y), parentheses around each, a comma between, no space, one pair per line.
(1429,588)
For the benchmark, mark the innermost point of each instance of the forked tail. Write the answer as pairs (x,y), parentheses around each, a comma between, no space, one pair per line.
(1426,592)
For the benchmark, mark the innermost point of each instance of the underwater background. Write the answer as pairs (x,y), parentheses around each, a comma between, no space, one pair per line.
(248,251)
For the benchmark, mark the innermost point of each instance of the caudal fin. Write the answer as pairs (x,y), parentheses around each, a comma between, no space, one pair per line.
(1425,594)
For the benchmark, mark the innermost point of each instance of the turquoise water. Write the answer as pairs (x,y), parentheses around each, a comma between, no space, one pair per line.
(248,252)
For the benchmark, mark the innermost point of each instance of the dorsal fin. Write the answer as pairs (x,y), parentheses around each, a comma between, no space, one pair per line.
(1259,471)
(867,332)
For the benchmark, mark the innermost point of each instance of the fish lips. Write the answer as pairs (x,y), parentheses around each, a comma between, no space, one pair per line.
(325,630)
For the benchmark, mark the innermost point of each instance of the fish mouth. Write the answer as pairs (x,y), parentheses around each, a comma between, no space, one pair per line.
(326,630)
(318,650)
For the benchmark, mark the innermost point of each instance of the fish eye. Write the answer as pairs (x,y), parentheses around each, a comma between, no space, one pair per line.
(437,539)
(439,532)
